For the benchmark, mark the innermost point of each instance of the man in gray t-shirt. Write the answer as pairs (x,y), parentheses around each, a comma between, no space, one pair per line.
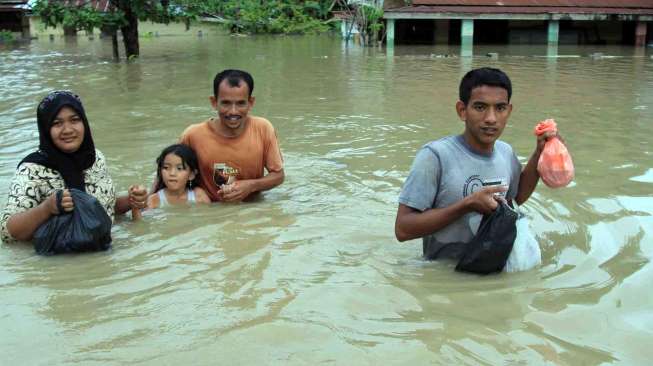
(455,180)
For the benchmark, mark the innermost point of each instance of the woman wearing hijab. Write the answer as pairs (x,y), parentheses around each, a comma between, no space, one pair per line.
(66,159)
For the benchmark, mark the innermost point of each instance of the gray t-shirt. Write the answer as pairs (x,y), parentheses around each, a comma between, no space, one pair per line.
(447,170)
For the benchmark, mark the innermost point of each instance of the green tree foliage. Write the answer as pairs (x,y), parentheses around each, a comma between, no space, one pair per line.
(82,17)
(122,14)
(370,19)
(241,16)
(367,17)
(274,16)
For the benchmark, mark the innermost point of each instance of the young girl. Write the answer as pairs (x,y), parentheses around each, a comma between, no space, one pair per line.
(177,174)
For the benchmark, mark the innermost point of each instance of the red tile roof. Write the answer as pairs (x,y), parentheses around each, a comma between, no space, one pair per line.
(520,10)
(13,5)
(22,5)
(101,5)
(544,3)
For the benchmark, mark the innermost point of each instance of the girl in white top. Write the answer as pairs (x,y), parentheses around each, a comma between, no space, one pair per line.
(177,176)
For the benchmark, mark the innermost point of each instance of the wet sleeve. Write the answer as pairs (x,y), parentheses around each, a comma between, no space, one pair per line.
(421,186)
(23,195)
(100,185)
(514,178)
(273,157)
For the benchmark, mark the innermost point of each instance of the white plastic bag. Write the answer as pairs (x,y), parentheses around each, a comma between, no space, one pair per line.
(525,252)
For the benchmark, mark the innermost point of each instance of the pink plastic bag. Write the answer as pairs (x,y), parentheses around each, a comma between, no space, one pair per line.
(555,166)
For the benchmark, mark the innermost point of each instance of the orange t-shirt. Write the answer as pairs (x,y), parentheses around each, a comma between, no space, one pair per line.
(245,156)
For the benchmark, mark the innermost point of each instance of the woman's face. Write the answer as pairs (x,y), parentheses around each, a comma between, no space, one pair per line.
(67,130)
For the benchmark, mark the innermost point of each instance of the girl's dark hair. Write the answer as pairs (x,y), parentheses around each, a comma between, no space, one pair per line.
(188,159)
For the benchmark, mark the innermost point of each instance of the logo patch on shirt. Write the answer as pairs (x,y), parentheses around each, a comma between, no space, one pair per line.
(475,182)
(223,174)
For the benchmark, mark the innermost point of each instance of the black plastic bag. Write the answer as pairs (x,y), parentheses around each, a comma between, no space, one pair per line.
(86,228)
(490,248)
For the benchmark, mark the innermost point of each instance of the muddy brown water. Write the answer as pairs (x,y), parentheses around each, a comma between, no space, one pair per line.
(312,273)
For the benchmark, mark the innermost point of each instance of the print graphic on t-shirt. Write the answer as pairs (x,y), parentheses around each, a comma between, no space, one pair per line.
(224,174)
(496,182)
(473,184)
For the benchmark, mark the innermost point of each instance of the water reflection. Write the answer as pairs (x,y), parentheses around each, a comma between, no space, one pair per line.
(312,273)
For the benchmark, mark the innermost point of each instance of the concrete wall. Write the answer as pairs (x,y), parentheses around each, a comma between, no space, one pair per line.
(37,28)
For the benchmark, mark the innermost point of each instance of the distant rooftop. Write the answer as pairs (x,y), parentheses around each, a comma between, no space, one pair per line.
(101,5)
(14,5)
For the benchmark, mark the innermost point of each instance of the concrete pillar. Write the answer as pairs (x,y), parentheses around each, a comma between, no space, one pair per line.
(640,34)
(554,32)
(390,34)
(25,26)
(467,37)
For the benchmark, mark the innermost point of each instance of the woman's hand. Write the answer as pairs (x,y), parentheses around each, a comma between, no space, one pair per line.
(137,196)
(66,203)
(22,225)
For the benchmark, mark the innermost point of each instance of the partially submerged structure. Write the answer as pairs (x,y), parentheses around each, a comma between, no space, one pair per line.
(469,22)
(13,17)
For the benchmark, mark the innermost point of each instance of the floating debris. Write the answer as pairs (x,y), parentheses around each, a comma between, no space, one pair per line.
(446,55)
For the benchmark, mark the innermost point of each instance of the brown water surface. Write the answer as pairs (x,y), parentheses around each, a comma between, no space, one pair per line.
(312,272)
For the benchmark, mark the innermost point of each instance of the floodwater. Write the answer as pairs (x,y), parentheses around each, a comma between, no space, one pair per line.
(312,272)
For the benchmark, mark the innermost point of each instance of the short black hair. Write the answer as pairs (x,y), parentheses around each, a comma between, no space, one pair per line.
(483,76)
(233,77)
(188,159)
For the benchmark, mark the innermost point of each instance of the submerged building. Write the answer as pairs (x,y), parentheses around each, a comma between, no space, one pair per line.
(468,22)
(13,17)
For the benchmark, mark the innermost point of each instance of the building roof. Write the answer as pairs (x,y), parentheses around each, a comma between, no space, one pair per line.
(26,5)
(14,6)
(522,9)
(101,5)
(544,3)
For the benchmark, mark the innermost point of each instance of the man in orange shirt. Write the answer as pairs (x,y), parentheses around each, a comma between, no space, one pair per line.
(235,148)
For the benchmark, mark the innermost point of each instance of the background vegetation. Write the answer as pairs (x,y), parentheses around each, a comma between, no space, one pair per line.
(6,36)
(275,16)
(239,16)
